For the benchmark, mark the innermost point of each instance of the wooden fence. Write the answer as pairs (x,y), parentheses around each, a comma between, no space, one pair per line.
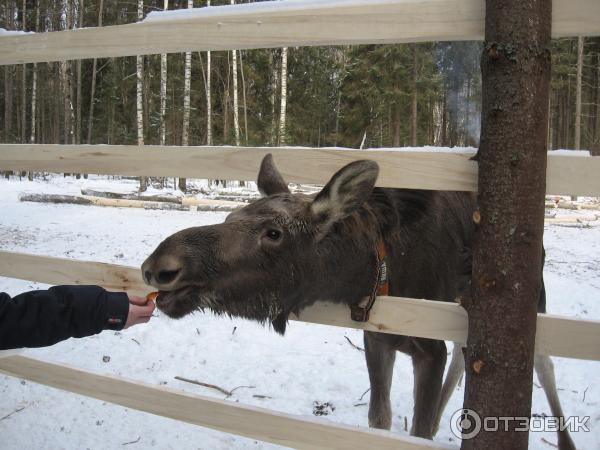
(262,25)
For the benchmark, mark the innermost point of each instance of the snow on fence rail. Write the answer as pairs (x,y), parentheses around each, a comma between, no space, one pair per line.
(557,336)
(285,24)
(439,169)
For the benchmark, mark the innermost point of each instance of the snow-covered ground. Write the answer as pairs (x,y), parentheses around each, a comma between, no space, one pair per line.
(310,364)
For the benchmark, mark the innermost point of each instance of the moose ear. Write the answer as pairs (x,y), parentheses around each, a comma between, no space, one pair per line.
(270,180)
(347,190)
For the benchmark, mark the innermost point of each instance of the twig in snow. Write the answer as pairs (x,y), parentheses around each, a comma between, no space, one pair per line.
(361,397)
(360,404)
(197,331)
(537,385)
(14,412)
(208,385)
(233,331)
(585,392)
(405,424)
(549,443)
(354,345)
(135,341)
(238,387)
(132,442)
(261,396)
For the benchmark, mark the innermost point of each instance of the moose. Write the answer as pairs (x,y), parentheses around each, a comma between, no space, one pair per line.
(287,251)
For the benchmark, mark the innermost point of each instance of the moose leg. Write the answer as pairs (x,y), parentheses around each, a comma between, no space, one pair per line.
(429,361)
(455,373)
(545,372)
(380,357)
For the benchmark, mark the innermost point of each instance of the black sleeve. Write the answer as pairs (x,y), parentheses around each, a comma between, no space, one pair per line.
(41,318)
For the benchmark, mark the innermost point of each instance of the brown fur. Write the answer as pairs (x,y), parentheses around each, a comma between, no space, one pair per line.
(285,252)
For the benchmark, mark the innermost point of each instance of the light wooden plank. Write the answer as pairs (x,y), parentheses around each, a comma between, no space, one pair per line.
(439,170)
(256,423)
(557,336)
(286,24)
(425,170)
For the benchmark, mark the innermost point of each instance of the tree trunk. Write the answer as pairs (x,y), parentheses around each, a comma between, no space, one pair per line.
(187,80)
(32,136)
(273,88)
(397,123)
(24,85)
(93,88)
(8,82)
(163,92)
(282,111)
(414,97)
(139,95)
(209,136)
(79,100)
(580,42)
(507,249)
(244,99)
(236,110)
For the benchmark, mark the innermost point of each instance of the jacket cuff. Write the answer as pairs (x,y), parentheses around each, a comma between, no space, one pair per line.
(117,309)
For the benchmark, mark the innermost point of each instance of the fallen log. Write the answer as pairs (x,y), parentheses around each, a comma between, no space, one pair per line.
(52,198)
(192,205)
(116,195)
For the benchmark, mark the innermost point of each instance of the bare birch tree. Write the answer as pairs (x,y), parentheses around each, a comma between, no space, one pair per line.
(139,94)
(236,111)
(282,111)
(244,99)
(186,102)
(163,92)
(93,88)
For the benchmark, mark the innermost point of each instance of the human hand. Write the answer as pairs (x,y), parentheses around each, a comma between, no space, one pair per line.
(140,310)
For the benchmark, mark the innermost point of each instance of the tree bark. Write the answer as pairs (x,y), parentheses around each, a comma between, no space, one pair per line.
(282,111)
(507,250)
(93,87)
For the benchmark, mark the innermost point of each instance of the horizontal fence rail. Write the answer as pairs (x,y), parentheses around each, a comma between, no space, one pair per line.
(285,24)
(252,422)
(444,169)
(557,336)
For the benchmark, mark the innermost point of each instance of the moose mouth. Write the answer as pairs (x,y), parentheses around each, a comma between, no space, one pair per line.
(181,302)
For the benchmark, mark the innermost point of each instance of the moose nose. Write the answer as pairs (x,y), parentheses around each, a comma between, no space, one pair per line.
(161,274)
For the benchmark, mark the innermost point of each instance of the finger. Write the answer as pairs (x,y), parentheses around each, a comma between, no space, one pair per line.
(135,300)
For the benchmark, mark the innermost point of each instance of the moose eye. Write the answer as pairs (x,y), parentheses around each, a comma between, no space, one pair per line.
(273,235)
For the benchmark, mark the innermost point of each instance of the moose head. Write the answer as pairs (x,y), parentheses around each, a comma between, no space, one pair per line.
(275,256)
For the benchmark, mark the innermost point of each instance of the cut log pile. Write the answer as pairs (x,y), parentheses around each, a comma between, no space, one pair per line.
(136,201)
(169,203)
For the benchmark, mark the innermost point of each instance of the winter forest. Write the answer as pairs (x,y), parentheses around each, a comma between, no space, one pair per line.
(352,96)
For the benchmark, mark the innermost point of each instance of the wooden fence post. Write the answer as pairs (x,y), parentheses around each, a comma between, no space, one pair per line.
(507,253)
